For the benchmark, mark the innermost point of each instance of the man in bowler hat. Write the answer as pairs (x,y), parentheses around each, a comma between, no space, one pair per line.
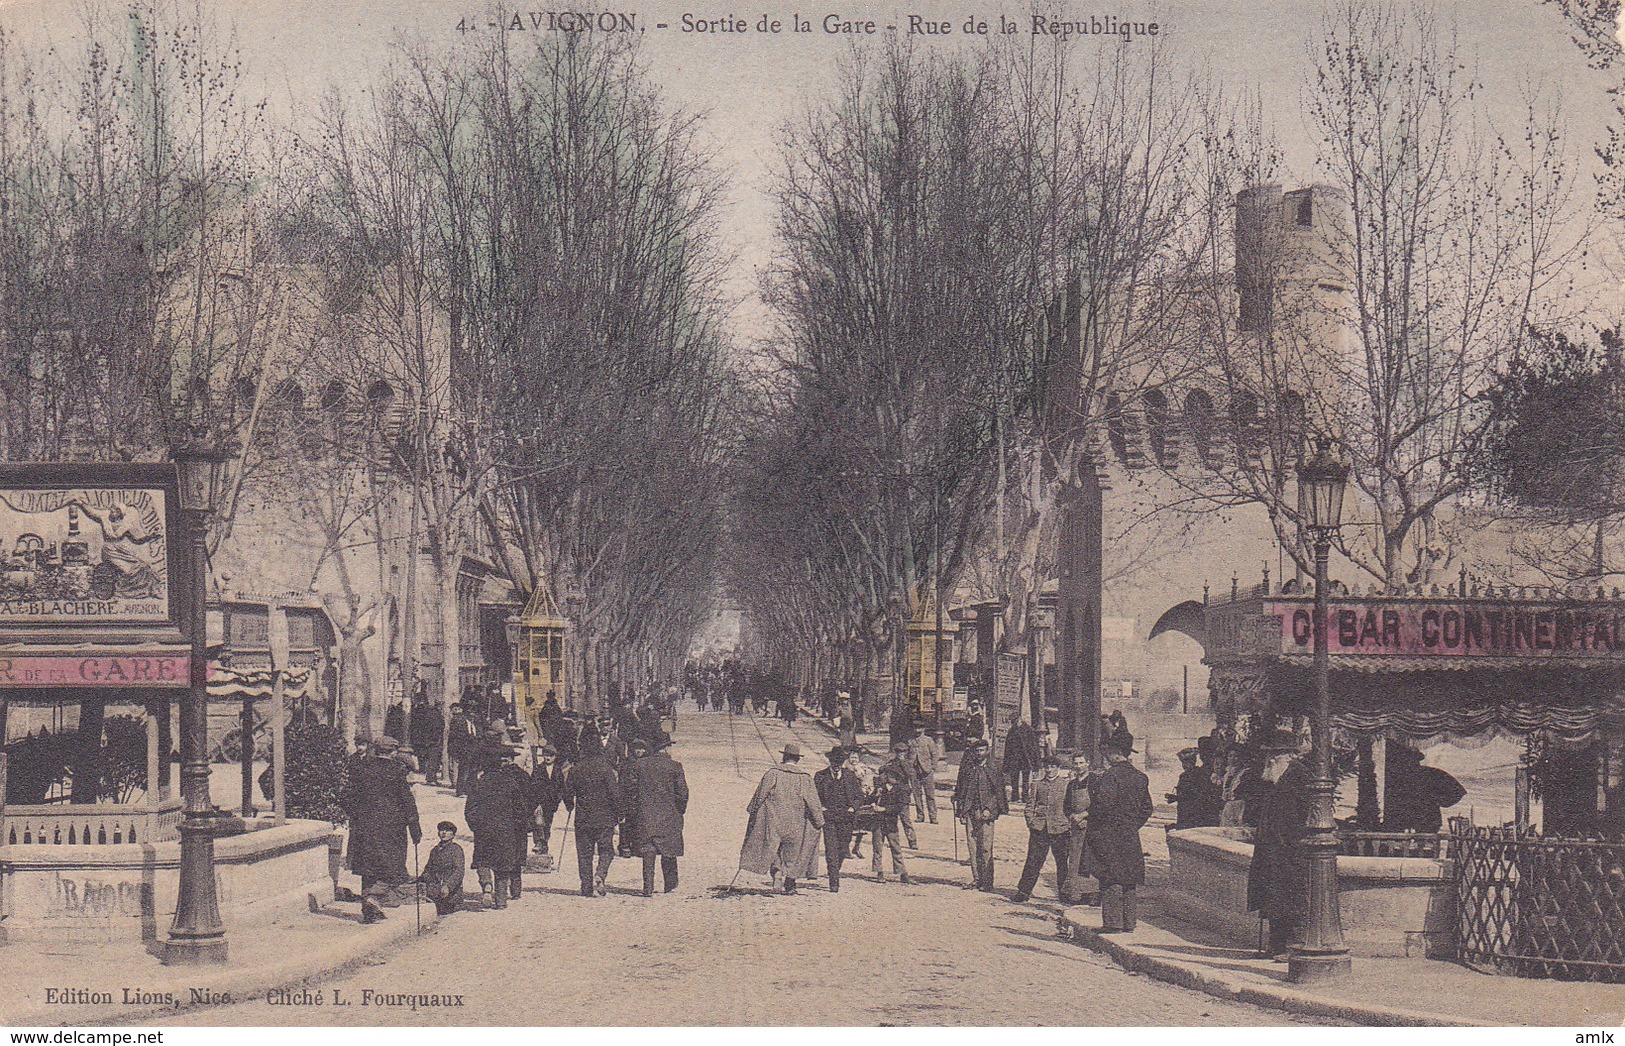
(840,792)
(1119,806)
(979,801)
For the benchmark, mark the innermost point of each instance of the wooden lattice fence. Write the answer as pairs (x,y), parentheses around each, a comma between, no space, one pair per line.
(1540,907)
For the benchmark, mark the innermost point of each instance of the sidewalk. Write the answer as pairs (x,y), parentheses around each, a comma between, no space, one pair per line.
(1408,992)
(284,950)
(281,949)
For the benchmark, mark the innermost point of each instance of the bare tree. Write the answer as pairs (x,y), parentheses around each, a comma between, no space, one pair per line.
(1377,308)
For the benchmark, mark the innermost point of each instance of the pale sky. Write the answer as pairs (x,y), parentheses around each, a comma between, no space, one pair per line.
(750,83)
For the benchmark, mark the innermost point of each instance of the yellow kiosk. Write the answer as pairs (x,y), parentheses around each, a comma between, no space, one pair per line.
(539,661)
(928,668)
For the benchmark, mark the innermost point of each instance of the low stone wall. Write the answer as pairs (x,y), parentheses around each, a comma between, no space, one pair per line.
(1391,906)
(128,892)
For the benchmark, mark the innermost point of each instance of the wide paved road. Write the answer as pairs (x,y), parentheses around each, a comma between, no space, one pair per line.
(927,954)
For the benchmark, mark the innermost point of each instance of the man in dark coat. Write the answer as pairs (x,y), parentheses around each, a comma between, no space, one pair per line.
(1196,797)
(427,729)
(395,721)
(461,737)
(549,788)
(383,814)
(979,801)
(1020,759)
(656,795)
(1416,793)
(841,793)
(1116,730)
(1119,806)
(596,791)
(498,813)
(555,726)
(1278,878)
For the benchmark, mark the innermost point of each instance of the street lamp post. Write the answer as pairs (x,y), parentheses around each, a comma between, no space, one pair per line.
(197,937)
(1322,956)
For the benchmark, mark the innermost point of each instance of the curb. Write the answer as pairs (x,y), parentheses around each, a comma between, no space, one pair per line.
(241,984)
(1305,1004)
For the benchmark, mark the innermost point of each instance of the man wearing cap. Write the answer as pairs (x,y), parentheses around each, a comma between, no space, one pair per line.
(840,793)
(979,801)
(1119,806)
(1278,877)
(442,876)
(656,803)
(894,789)
(786,819)
(382,815)
(1048,829)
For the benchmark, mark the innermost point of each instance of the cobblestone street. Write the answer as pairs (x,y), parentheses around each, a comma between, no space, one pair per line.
(930,953)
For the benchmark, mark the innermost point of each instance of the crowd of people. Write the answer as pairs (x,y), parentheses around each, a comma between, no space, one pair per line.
(613,775)
(610,774)
(1263,784)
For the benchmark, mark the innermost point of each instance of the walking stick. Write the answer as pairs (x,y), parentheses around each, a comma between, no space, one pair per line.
(564,836)
(956,839)
(417,889)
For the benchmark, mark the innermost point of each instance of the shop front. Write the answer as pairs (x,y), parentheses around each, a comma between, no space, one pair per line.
(1463,666)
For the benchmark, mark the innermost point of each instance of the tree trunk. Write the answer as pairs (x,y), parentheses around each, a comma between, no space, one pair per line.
(449,620)
(87,767)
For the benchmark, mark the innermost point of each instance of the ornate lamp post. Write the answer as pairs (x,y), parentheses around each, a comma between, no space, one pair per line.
(197,937)
(1322,956)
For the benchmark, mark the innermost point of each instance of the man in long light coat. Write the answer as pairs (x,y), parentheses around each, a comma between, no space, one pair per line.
(786,819)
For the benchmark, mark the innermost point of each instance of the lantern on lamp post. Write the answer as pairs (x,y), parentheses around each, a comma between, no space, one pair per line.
(1322,955)
(197,936)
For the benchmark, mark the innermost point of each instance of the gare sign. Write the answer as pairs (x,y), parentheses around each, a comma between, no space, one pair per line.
(1464,628)
(162,671)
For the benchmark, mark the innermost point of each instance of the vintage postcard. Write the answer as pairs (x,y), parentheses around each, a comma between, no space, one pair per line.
(660,514)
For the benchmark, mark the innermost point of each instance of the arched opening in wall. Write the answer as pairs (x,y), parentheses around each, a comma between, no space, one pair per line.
(1177,680)
(243,391)
(380,396)
(1200,422)
(1157,429)
(284,413)
(1244,422)
(334,401)
(1116,431)
(334,396)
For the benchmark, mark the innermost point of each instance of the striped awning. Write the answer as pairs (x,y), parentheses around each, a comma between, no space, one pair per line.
(256,683)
